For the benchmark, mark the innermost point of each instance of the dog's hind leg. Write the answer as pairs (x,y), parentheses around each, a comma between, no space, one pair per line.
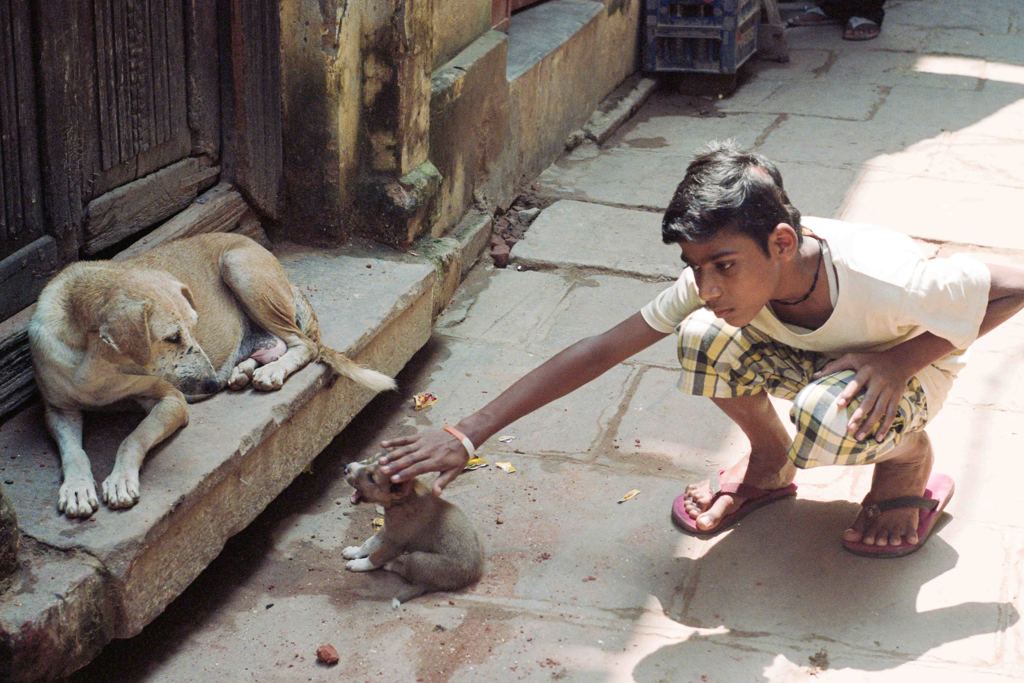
(261,286)
(168,413)
(268,349)
(432,571)
(77,497)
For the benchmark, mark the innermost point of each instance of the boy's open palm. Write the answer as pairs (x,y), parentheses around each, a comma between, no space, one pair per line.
(882,377)
(433,450)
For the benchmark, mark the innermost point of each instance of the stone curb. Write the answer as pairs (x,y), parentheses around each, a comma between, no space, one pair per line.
(603,124)
(454,255)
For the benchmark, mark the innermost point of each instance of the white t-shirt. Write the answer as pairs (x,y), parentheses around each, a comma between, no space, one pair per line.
(884,291)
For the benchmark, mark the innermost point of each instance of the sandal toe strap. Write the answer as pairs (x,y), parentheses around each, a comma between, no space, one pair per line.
(875,509)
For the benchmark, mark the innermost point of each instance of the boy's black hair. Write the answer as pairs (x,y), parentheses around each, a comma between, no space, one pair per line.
(726,188)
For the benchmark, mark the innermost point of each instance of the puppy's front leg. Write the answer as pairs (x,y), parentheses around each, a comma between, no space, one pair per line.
(77,497)
(384,552)
(169,413)
(354,552)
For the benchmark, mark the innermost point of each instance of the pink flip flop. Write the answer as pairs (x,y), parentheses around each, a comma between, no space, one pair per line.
(755,498)
(936,494)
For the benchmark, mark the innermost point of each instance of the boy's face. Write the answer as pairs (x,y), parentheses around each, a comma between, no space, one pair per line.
(734,276)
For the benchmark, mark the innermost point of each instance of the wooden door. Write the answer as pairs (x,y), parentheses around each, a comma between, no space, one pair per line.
(128,92)
(27,254)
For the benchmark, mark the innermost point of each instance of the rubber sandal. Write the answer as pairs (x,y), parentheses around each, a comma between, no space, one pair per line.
(859,28)
(755,498)
(936,494)
(811,16)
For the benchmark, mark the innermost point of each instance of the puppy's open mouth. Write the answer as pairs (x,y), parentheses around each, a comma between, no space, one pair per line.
(356,498)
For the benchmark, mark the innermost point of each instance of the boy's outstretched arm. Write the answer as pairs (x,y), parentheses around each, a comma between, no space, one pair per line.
(435,450)
(882,376)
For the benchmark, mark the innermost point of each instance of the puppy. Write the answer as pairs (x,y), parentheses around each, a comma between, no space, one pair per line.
(171,326)
(426,540)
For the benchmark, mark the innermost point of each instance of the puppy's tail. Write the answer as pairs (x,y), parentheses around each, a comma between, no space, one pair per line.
(343,365)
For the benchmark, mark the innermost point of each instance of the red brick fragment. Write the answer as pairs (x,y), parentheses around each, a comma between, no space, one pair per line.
(326,654)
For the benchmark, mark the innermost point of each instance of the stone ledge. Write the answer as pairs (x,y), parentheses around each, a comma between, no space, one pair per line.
(203,485)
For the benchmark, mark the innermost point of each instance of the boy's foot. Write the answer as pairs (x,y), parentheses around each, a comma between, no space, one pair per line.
(710,508)
(906,475)
(859,28)
(937,493)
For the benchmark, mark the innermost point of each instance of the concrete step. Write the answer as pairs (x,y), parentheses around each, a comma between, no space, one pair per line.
(82,583)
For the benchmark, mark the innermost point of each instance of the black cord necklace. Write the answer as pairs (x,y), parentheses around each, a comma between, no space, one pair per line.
(814,282)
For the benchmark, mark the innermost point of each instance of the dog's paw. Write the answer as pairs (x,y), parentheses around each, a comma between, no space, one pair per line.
(269,377)
(361,564)
(241,375)
(77,498)
(352,552)
(121,489)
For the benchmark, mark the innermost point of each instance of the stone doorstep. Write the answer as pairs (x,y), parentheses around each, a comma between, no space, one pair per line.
(205,484)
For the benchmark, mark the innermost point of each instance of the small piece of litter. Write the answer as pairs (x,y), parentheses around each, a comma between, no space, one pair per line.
(326,654)
(630,495)
(505,467)
(378,522)
(474,464)
(395,604)
(379,509)
(505,438)
(423,401)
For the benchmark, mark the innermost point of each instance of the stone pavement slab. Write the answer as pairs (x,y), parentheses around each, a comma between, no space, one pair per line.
(627,173)
(544,312)
(465,375)
(578,234)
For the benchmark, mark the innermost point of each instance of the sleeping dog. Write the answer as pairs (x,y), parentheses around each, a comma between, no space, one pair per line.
(176,324)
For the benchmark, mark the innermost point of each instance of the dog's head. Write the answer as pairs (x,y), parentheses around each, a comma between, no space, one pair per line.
(372,486)
(146,326)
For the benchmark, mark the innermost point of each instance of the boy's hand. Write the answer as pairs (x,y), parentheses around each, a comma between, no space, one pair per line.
(433,450)
(882,377)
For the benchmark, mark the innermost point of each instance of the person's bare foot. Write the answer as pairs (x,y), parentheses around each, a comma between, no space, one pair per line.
(859,28)
(764,472)
(905,474)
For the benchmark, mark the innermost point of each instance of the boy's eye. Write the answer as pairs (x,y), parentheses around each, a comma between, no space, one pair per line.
(724,265)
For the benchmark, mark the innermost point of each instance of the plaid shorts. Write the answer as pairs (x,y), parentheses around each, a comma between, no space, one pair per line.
(722,361)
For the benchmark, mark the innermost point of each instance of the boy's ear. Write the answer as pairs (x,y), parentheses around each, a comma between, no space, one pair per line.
(783,240)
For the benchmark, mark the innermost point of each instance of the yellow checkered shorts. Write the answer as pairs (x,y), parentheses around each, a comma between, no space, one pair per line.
(722,361)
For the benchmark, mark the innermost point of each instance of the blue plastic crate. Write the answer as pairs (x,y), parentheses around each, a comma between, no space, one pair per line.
(700,36)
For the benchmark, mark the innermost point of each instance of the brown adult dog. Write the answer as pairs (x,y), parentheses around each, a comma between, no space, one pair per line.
(175,324)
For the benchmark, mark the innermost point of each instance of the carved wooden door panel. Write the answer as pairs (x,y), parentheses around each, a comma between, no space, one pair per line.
(27,254)
(109,124)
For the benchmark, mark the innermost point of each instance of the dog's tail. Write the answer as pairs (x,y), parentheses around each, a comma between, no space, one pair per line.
(343,365)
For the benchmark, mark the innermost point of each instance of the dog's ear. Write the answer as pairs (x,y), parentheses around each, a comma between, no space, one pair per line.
(187,293)
(124,327)
(399,491)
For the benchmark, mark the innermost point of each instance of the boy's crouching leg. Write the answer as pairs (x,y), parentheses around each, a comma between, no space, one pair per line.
(735,368)
(902,458)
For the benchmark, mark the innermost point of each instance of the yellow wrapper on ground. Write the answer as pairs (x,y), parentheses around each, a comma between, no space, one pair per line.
(423,401)
(474,464)
(505,467)
(378,522)
(630,495)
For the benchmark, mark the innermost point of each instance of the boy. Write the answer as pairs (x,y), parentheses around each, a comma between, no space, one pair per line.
(851,323)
